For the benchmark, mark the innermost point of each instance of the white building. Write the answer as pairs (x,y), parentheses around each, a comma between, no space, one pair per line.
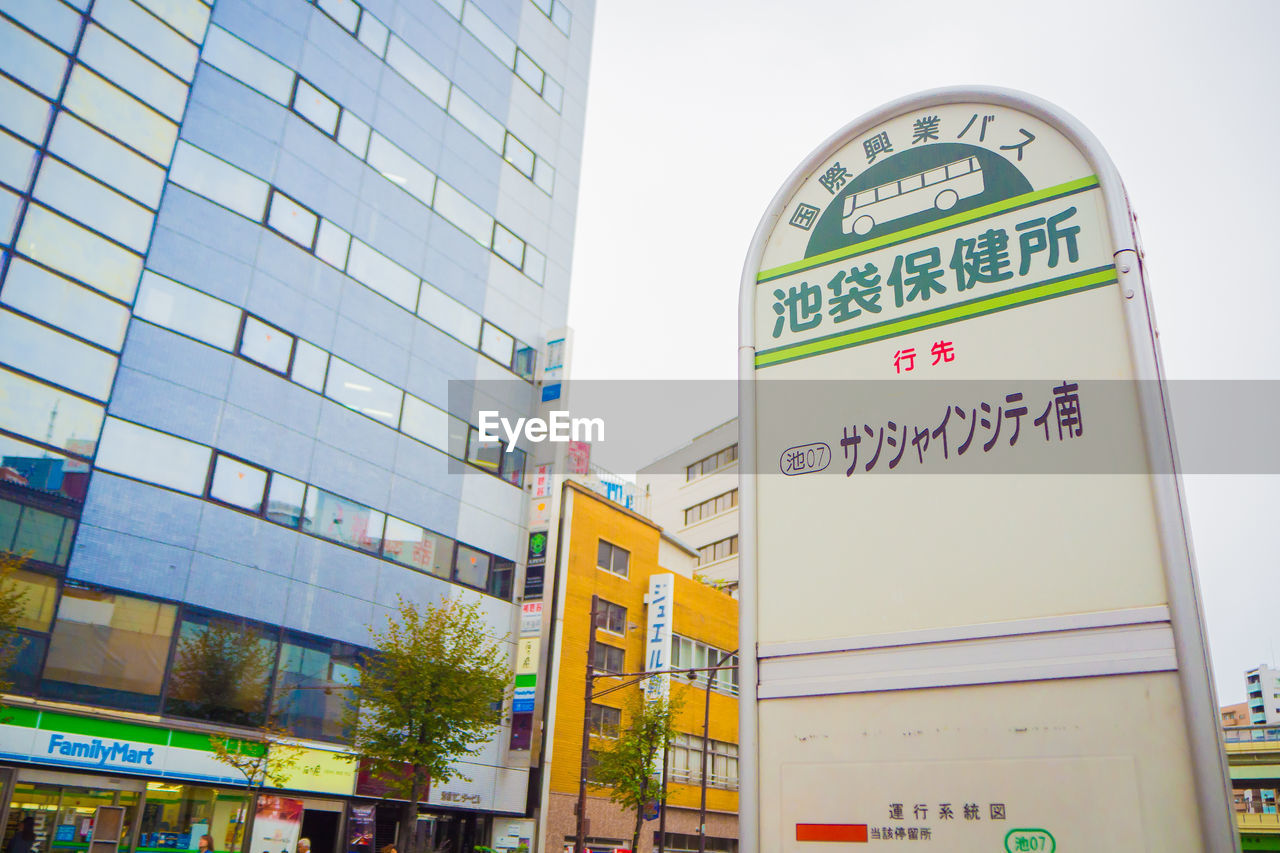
(693,494)
(1263,687)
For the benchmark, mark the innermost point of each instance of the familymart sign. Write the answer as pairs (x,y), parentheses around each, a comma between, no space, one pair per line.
(84,743)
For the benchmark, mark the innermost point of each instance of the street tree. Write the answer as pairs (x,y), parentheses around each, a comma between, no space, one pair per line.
(430,693)
(13,602)
(631,768)
(265,757)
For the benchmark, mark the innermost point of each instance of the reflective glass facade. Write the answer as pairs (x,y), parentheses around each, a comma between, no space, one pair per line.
(245,247)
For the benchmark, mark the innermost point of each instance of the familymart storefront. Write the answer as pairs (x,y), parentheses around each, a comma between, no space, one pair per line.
(59,768)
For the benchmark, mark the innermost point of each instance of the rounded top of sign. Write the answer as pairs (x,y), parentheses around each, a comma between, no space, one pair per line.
(925,162)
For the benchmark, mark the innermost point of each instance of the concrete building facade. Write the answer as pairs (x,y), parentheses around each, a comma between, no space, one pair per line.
(693,493)
(609,553)
(255,255)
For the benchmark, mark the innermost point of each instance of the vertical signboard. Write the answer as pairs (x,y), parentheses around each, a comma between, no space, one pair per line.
(964,569)
(657,642)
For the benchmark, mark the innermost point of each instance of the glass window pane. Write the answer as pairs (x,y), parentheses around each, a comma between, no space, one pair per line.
(238,483)
(175,306)
(500,577)
(17,159)
(425,422)
(152,456)
(108,649)
(188,17)
(23,112)
(9,514)
(49,415)
(292,219)
(422,74)
(373,33)
(309,700)
(342,520)
(413,546)
(345,12)
(513,466)
(496,344)
(529,71)
(544,176)
(472,567)
(133,72)
(40,594)
(284,500)
(508,246)
(473,117)
(101,208)
(41,351)
(498,42)
(483,454)
(65,246)
(309,366)
(41,536)
(106,159)
(401,169)
(518,154)
(36,471)
(560,16)
(246,63)
(30,60)
(382,274)
(56,22)
(312,105)
(221,670)
(553,93)
(9,203)
(97,101)
(363,392)
(463,213)
(266,345)
(129,21)
(353,134)
(449,315)
(217,180)
(535,264)
(332,244)
(524,361)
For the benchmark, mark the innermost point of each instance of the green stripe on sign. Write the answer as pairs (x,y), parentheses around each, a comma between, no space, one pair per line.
(189,740)
(984,212)
(940,317)
(27,718)
(528,679)
(90,727)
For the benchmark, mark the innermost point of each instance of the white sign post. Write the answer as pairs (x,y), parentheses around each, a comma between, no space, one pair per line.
(964,564)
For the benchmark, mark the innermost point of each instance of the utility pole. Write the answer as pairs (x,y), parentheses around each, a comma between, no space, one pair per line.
(580,838)
(706,743)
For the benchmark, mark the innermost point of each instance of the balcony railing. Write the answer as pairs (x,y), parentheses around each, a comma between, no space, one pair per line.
(1250,734)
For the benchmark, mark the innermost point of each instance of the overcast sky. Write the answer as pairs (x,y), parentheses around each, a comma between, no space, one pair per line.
(699,110)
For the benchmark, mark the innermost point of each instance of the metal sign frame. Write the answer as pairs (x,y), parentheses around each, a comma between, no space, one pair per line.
(1208,759)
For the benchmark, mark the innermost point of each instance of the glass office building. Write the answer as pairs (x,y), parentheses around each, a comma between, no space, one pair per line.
(248,249)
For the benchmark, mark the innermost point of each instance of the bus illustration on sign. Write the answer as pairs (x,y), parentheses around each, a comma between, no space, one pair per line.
(939,188)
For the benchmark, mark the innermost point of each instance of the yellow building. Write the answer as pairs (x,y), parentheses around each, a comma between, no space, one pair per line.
(611,552)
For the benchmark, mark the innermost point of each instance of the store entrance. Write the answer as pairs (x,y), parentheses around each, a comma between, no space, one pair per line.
(62,807)
(321,824)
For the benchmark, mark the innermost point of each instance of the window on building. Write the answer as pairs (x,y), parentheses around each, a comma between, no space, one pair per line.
(687,653)
(108,649)
(686,762)
(611,617)
(311,686)
(712,463)
(221,670)
(608,658)
(35,533)
(611,558)
(720,550)
(605,721)
(714,506)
